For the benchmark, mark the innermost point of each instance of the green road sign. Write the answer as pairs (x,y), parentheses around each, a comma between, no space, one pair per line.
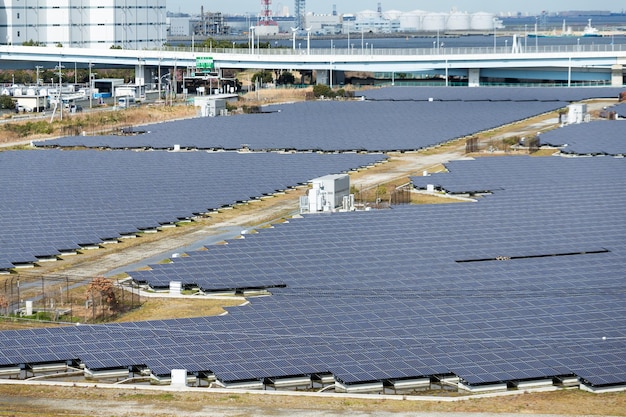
(204,63)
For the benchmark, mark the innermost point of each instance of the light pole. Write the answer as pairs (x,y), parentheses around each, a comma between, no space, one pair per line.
(495,35)
(159,75)
(38,67)
(293,40)
(308,41)
(362,35)
(90,86)
(525,37)
(60,101)
(252,39)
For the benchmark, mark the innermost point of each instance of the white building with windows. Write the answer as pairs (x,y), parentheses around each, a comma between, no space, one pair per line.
(129,24)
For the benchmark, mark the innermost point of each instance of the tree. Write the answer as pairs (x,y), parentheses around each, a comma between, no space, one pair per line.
(322,90)
(105,288)
(31,42)
(264,77)
(286,78)
(6,102)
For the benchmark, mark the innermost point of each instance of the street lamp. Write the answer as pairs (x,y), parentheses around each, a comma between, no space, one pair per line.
(293,41)
(495,35)
(308,41)
(60,102)
(38,67)
(90,86)
(252,39)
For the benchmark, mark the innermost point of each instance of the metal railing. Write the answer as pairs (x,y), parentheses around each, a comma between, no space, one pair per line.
(370,50)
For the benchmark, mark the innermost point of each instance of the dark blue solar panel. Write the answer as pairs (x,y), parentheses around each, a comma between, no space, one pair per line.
(382,295)
(329,126)
(67,199)
(595,138)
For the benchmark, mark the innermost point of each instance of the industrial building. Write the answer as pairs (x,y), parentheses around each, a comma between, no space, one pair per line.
(128,24)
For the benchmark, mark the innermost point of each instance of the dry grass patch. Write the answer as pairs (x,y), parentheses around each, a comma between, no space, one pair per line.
(93,122)
(178,308)
(54,401)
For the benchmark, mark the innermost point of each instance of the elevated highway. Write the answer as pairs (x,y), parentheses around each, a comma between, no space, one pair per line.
(603,64)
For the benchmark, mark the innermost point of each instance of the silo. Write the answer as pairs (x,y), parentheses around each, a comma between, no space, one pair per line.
(458,21)
(412,21)
(392,14)
(367,15)
(433,22)
(482,21)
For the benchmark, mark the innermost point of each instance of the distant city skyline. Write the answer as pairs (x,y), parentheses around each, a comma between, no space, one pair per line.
(353,6)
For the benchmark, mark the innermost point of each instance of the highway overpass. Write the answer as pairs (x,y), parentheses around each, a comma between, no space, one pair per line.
(603,64)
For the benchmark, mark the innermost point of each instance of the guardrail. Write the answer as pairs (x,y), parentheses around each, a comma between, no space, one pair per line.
(441,50)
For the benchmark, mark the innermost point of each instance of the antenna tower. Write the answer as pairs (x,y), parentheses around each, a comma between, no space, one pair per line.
(299,11)
(266,13)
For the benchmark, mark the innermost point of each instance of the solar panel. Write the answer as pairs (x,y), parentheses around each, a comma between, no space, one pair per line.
(104,195)
(328,126)
(594,138)
(384,296)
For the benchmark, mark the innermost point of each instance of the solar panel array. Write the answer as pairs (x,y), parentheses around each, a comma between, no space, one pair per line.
(526,283)
(602,137)
(491,93)
(328,126)
(61,200)
(620,109)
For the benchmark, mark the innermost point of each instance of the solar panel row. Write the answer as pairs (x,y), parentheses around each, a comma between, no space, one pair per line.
(594,138)
(328,126)
(381,295)
(98,196)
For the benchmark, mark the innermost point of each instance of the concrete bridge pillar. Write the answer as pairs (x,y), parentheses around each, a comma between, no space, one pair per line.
(617,75)
(473,77)
(142,75)
(324,77)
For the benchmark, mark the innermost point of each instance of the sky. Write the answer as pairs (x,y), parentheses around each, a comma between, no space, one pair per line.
(351,6)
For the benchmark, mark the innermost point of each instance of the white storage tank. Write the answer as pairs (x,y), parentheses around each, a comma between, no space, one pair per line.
(392,14)
(433,22)
(482,21)
(412,21)
(458,21)
(366,15)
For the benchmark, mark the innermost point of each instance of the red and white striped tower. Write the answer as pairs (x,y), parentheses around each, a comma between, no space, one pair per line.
(266,13)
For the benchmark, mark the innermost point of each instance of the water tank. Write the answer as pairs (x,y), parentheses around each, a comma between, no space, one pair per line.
(366,15)
(392,14)
(433,22)
(482,21)
(458,21)
(412,21)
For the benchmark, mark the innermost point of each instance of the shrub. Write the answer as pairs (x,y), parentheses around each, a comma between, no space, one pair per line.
(320,90)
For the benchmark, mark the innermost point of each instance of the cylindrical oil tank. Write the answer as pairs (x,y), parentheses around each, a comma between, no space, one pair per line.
(458,21)
(366,15)
(412,21)
(392,14)
(482,21)
(433,22)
